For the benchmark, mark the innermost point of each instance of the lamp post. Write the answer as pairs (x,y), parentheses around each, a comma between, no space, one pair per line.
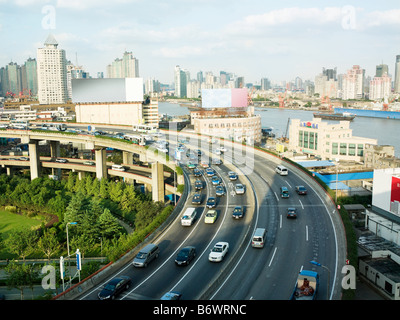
(73,223)
(69,262)
(329,275)
(337,178)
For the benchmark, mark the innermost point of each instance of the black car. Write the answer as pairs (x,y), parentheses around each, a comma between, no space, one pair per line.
(291,213)
(114,288)
(185,255)
(301,190)
(211,202)
(196,198)
(198,185)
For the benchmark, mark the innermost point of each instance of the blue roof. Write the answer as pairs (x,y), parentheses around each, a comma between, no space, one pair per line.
(316,163)
(330,179)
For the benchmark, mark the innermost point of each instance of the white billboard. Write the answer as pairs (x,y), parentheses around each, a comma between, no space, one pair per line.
(224,98)
(107,90)
(386,190)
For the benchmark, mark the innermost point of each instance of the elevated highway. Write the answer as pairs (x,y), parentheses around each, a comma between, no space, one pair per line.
(99,144)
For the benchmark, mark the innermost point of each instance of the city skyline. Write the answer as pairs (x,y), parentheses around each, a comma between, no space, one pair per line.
(253,39)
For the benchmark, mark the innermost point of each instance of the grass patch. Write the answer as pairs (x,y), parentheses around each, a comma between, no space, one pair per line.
(12,221)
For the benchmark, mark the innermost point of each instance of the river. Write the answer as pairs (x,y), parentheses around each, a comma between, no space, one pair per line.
(384,130)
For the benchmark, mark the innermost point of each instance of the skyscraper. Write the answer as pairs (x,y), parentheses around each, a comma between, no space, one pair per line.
(180,80)
(381,70)
(353,83)
(127,67)
(52,73)
(397,75)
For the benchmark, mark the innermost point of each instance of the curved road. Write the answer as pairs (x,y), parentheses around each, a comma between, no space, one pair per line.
(246,272)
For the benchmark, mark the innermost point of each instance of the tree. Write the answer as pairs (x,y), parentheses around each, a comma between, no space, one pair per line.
(108,224)
(76,208)
(21,242)
(20,276)
(48,243)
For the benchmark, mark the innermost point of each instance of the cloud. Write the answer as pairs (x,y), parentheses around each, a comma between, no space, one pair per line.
(381,18)
(285,17)
(86,4)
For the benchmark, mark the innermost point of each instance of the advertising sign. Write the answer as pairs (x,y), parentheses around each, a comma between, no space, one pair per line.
(224,98)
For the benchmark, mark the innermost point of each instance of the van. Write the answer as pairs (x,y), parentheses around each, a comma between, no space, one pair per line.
(146,255)
(258,239)
(117,167)
(283,171)
(188,217)
(284,192)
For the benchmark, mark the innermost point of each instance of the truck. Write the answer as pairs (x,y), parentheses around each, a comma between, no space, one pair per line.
(306,286)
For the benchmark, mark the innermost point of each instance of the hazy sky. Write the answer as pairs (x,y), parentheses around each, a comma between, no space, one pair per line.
(252,38)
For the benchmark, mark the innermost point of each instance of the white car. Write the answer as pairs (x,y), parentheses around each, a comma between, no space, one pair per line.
(62,160)
(219,251)
(239,188)
(223,149)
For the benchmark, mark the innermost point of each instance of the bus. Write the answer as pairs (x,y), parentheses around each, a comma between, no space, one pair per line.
(145,128)
(54,126)
(19,124)
(137,139)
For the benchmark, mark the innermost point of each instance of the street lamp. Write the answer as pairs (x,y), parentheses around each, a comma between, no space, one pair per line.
(69,263)
(337,178)
(73,223)
(329,275)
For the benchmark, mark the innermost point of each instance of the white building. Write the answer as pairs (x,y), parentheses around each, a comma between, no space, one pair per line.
(52,73)
(325,87)
(127,67)
(327,141)
(380,88)
(353,83)
(382,265)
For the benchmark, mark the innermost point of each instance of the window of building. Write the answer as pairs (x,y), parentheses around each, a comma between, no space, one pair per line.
(334,148)
(311,144)
(360,150)
(300,138)
(343,149)
(305,144)
(352,149)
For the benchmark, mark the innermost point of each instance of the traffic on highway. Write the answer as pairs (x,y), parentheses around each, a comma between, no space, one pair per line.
(249,225)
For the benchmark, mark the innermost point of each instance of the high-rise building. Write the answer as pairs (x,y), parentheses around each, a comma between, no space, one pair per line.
(381,70)
(52,73)
(330,73)
(127,67)
(29,78)
(326,87)
(397,75)
(353,83)
(380,87)
(265,84)
(180,80)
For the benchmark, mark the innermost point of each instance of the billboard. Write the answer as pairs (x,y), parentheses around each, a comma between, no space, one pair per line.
(386,190)
(107,90)
(224,98)
(395,196)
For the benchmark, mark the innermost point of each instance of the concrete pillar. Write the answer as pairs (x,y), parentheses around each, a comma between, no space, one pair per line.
(101,165)
(9,171)
(127,158)
(34,159)
(157,175)
(81,175)
(55,153)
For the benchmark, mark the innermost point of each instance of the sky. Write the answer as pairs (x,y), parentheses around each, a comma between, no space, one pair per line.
(279,40)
